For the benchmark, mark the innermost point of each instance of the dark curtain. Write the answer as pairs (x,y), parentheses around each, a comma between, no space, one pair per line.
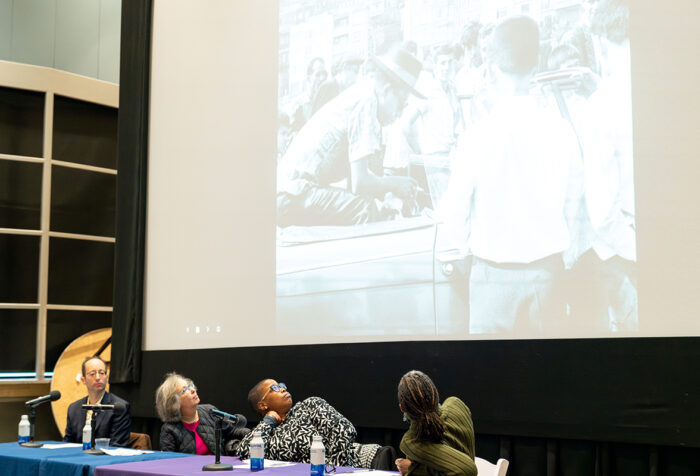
(131,190)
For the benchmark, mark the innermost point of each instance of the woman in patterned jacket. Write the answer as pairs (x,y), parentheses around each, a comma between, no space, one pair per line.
(441,437)
(288,429)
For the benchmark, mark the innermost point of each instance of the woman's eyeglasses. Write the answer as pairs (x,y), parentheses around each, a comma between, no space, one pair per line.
(189,386)
(275,387)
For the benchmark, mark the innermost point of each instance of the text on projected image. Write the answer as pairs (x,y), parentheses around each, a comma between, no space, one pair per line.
(455,169)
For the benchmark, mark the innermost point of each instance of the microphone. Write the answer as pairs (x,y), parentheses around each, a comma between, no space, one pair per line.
(118,408)
(54,395)
(224,415)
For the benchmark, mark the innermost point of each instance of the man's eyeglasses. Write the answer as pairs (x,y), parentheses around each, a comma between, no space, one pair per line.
(94,373)
(189,386)
(275,387)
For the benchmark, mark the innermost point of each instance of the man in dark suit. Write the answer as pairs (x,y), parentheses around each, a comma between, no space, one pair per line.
(107,423)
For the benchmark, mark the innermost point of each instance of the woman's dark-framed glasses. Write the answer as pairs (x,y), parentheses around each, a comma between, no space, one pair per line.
(275,387)
(278,387)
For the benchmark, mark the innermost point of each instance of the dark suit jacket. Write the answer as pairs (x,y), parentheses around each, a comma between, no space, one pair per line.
(107,425)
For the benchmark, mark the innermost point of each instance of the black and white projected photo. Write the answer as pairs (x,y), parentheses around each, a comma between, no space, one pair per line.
(455,169)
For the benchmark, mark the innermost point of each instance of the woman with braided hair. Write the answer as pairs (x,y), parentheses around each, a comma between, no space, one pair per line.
(440,440)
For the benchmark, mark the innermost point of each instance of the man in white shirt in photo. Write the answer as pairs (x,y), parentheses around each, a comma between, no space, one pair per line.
(506,197)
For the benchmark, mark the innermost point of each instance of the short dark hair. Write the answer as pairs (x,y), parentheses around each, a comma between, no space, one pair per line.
(88,359)
(255,394)
(561,54)
(310,66)
(444,49)
(515,45)
(346,61)
(470,34)
(611,20)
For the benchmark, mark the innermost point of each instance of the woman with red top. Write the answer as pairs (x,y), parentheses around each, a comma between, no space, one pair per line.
(188,426)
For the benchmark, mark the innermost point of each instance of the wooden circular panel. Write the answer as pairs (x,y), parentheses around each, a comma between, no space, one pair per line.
(66,374)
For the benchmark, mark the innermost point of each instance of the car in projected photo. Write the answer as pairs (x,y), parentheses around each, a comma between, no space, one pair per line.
(398,277)
(373,279)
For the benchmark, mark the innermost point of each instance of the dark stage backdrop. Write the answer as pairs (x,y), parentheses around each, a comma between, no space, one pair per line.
(642,391)
(626,390)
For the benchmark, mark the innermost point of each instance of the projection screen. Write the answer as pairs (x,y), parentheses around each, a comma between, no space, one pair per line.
(415,170)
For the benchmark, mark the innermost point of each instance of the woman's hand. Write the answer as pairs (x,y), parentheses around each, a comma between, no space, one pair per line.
(403,464)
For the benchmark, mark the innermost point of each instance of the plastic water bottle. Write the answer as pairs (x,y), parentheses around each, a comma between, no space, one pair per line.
(318,457)
(257,452)
(87,435)
(23,429)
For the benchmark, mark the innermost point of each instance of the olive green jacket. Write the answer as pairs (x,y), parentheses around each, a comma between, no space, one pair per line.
(454,455)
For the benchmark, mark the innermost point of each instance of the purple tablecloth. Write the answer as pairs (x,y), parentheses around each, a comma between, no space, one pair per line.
(193,465)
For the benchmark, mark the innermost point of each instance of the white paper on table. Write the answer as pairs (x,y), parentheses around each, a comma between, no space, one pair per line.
(124,451)
(269,463)
(55,446)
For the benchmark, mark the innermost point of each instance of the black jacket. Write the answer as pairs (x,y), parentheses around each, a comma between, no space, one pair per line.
(175,437)
(107,424)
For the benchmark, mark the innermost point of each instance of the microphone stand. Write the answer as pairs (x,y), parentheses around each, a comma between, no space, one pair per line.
(31,443)
(217,465)
(93,450)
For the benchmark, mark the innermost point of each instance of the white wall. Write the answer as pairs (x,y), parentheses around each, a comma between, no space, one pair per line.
(78,36)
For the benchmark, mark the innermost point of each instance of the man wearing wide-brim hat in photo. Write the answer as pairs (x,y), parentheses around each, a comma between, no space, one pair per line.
(339,142)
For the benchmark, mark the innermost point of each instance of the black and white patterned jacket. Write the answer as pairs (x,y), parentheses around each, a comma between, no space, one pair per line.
(175,437)
(291,439)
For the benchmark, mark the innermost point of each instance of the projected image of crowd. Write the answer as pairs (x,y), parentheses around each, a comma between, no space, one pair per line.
(507,124)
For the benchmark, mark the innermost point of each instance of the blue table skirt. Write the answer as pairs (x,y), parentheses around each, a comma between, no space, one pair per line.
(16,460)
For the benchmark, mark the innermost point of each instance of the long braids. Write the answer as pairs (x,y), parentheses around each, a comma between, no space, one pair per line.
(419,400)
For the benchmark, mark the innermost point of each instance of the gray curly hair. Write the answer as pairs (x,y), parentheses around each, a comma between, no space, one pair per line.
(167,398)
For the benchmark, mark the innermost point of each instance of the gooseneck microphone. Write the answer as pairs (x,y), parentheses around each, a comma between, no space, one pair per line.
(118,408)
(224,415)
(218,465)
(54,395)
(32,404)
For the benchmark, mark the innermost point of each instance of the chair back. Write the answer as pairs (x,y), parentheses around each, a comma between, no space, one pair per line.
(140,441)
(486,468)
